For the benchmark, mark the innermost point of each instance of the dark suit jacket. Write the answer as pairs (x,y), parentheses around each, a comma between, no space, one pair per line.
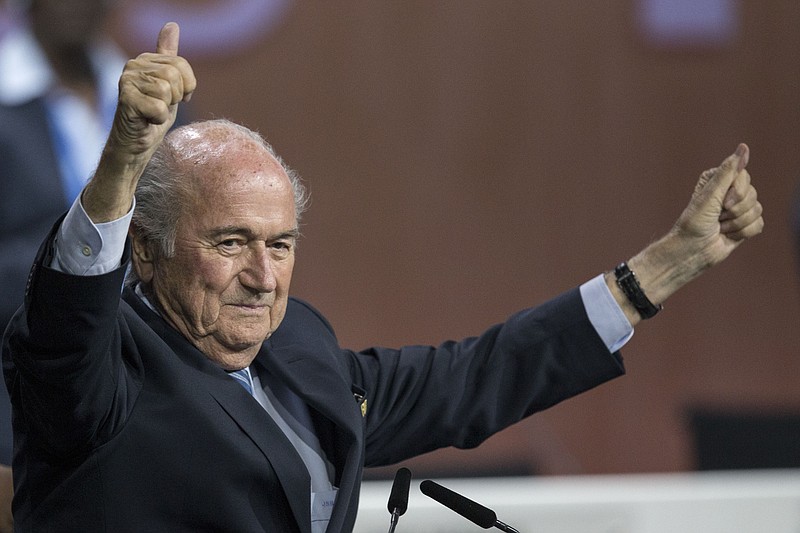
(122,425)
(31,198)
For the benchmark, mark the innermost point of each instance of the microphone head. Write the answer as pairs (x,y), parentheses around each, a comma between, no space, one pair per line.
(398,498)
(475,512)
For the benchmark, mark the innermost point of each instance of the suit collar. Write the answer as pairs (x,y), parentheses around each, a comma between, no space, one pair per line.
(316,379)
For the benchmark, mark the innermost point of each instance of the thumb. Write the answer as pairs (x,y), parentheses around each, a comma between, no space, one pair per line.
(714,183)
(168,39)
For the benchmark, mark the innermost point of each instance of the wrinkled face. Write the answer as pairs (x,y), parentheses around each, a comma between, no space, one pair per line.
(226,287)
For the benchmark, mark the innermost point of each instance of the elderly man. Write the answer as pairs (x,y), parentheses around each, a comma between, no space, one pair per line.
(204,398)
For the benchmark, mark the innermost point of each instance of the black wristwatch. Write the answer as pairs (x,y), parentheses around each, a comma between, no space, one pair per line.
(626,280)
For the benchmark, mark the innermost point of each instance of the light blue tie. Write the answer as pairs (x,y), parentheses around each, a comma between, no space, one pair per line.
(243,378)
(289,399)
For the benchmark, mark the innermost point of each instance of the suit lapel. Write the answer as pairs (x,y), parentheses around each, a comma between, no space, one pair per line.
(244,409)
(270,439)
(317,380)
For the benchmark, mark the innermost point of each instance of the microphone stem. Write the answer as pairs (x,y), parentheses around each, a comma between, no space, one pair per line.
(393,523)
(502,526)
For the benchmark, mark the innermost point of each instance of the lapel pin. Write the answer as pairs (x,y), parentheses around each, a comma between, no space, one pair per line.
(361,398)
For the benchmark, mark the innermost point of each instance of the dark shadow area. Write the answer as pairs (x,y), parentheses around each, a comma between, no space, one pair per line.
(744,439)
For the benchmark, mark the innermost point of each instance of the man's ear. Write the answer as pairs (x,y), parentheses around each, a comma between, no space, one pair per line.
(142,257)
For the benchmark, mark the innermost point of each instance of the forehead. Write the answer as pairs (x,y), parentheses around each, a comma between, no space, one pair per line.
(245,187)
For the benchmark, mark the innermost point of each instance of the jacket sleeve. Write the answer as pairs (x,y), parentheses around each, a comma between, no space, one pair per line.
(68,381)
(460,393)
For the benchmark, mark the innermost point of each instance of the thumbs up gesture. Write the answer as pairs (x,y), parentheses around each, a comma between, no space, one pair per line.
(150,89)
(723,212)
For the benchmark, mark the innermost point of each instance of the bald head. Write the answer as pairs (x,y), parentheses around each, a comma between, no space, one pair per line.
(191,159)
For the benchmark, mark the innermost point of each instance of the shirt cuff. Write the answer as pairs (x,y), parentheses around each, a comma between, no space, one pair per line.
(84,248)
(605,314)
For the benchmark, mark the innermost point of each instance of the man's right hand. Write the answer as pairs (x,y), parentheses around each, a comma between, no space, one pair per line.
(150,88)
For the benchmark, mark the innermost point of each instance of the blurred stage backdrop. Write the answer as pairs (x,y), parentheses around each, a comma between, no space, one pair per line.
(469,158)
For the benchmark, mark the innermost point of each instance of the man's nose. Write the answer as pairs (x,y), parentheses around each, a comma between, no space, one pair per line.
(259,272)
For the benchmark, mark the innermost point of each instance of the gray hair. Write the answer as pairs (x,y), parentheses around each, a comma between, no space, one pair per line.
(166,181)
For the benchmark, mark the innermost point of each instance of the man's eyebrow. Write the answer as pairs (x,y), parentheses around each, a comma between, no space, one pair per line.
(293,233)
(223,231)
(229,230)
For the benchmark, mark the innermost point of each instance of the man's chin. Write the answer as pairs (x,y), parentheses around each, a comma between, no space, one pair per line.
(244,343)
(234,353)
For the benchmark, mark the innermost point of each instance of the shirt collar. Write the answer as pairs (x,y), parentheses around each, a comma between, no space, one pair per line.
(139,290)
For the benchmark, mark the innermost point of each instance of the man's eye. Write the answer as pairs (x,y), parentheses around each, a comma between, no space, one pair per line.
(281,247)
(229,244)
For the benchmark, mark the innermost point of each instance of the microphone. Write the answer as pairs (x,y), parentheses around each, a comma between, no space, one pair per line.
(473,511)
(398,497)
